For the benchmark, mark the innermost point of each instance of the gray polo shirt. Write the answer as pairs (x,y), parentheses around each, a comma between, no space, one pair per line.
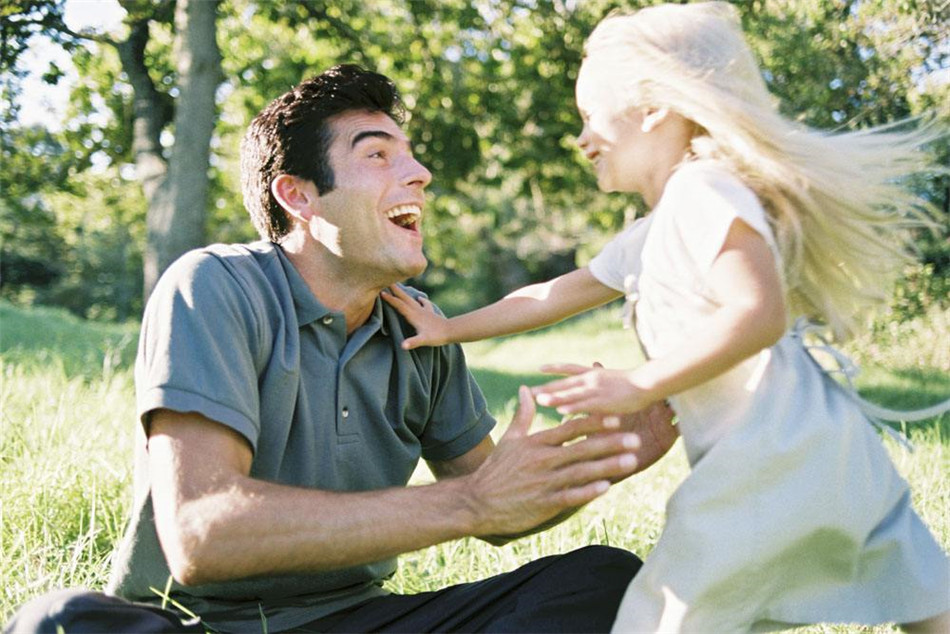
(232,332)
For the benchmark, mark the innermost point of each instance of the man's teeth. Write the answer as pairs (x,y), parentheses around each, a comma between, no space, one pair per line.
(404,215)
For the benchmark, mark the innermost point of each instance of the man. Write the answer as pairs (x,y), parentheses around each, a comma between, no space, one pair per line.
(281,420)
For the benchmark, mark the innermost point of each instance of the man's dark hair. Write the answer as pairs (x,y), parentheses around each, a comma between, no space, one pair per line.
(292,136)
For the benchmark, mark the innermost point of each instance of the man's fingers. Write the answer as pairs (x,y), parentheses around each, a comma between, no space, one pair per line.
(610,469)
(579,476)
(600,447)
(593,444)
(579,496)
(571,430)
(521,422)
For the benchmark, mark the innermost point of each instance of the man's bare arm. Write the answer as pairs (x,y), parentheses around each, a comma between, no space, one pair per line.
(216,523)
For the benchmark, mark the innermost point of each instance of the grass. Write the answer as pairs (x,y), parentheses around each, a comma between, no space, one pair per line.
(65,449)
(68,416)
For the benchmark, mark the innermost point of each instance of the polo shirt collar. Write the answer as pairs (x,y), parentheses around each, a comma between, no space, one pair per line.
(379,317)
(309,309)
(306,305)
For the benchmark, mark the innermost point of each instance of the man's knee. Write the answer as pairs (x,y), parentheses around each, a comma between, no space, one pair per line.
(47,613)
(578,591)
(611,565)
(79,611)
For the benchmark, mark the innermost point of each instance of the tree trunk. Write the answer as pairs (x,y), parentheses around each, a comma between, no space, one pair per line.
(177,211)
(149,114)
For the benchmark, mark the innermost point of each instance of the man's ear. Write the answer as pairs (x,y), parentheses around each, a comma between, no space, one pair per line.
(296,195)
(652,117)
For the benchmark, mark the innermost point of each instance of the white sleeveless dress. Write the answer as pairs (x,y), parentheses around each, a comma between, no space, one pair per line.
(793,512)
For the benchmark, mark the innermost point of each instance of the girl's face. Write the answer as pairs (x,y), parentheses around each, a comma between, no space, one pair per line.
(612,138)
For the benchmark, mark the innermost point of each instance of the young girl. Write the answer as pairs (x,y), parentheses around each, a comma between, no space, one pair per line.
(793,513)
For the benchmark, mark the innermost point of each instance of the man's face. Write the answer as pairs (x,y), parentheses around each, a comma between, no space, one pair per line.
(375,207)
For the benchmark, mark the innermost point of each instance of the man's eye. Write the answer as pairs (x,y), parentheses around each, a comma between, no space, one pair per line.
(378,154)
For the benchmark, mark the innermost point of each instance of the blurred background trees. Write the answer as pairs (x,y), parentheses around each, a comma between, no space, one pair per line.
(144,163)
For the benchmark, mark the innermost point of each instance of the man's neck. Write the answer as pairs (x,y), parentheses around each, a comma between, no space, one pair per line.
(332,287)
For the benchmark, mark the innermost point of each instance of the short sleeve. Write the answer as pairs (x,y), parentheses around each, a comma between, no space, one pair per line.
(459,417)
(700,203)
(456,415)
(197,347)
(619,263)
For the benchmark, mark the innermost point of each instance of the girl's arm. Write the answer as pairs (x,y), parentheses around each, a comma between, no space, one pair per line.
(524,309)
(751,317)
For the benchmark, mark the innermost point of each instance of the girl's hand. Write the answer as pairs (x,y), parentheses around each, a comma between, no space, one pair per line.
(590,390)
(431,327)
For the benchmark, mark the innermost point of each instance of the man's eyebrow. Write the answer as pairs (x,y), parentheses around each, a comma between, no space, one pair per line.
(382,134)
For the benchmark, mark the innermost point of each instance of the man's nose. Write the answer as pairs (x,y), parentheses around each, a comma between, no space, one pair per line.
(417,175)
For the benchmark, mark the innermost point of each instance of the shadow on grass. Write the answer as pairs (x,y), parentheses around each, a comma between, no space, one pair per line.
(910,389)
(43,336)
(501,389)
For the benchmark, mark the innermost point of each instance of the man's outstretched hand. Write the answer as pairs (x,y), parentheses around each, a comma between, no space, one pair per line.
(531,481)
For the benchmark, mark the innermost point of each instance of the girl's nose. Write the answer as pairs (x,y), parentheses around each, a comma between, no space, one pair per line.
(583,139)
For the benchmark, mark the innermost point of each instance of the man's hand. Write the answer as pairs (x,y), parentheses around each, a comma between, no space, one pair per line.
(529,479)
(654,429)
(652,424)
(431,327)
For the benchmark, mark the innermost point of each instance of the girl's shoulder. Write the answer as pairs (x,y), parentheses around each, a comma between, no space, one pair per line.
(706,190)
(704,178)
(701,201)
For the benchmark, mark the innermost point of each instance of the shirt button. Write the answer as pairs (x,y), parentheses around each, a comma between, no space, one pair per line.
(346,412)
(327,320)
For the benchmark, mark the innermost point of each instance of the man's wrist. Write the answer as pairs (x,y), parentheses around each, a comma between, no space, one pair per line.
(464,507)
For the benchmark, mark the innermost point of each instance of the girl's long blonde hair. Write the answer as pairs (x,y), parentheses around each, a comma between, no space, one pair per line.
(836,202)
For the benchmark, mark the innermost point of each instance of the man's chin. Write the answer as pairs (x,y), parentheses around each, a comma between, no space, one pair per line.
(415,269)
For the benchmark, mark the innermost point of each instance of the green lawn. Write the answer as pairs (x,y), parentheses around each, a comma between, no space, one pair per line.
(68,416)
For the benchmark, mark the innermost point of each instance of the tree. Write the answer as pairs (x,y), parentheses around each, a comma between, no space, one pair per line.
(176,188)
(490,89)
(175,185)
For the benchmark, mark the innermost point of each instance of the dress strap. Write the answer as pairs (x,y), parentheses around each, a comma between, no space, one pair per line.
(849,370)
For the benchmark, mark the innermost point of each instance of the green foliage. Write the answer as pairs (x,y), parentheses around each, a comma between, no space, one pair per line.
(30,245)
(490,89)
(20,20)
(104,226)
(920,290)
(79,247)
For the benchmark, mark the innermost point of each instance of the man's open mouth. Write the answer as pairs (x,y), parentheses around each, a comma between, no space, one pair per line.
(405,216)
